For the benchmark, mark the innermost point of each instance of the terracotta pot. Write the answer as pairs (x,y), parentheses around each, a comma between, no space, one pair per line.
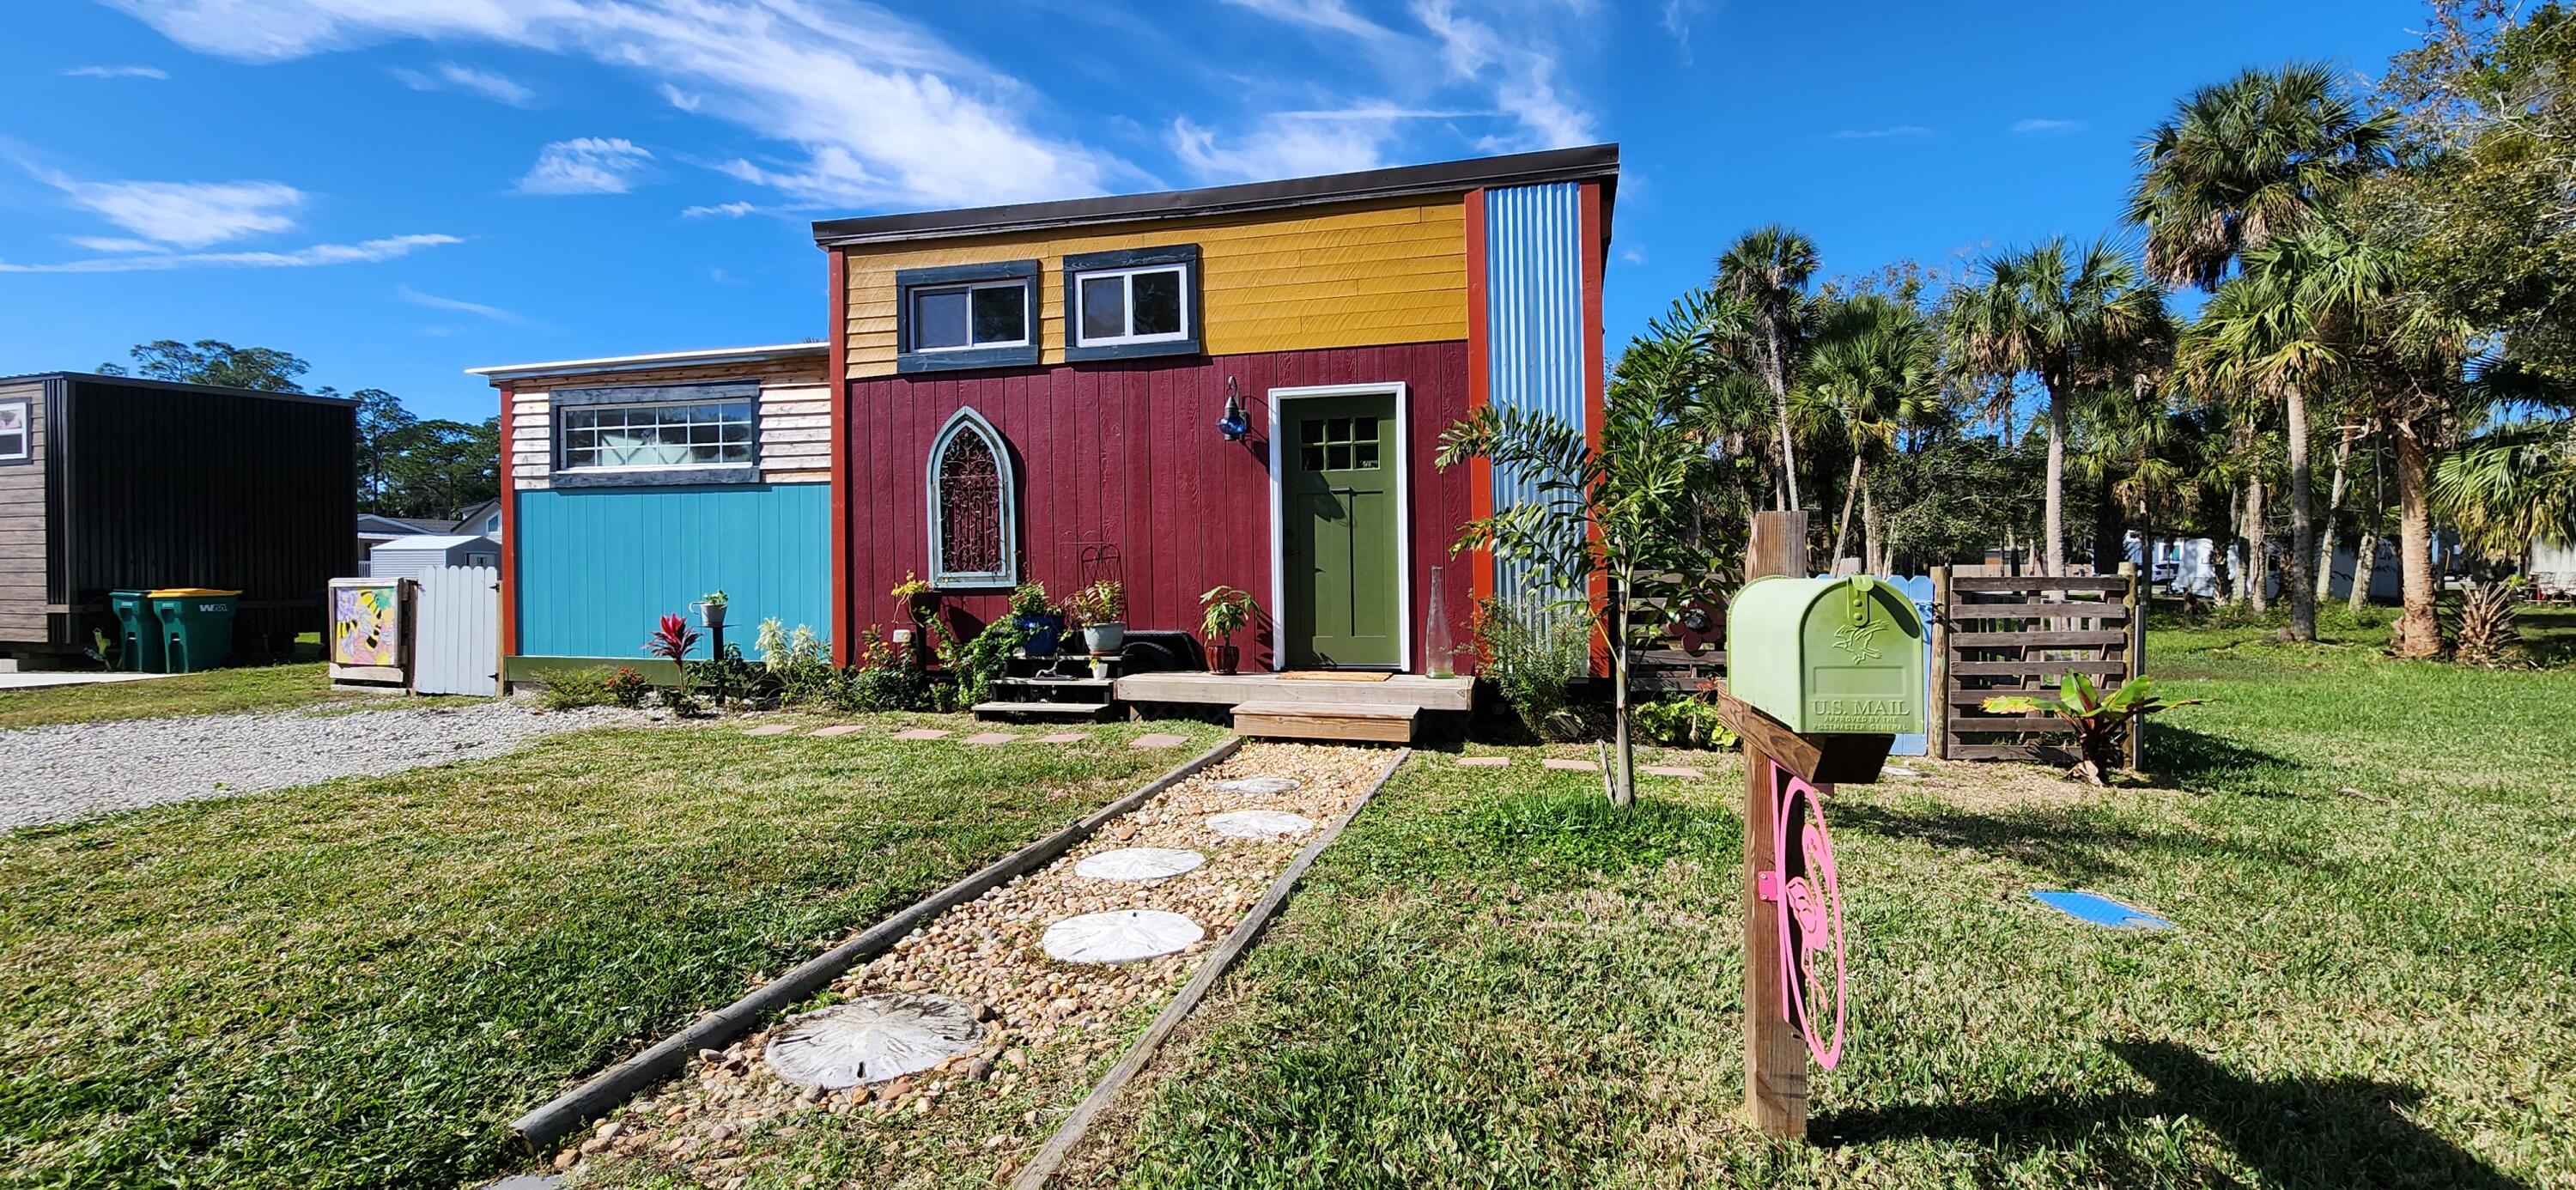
(1223,658)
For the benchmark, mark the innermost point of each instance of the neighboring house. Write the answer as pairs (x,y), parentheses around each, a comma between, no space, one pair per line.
(1241,385)
(375,529)
(483,519)
(112,482)
(407,557)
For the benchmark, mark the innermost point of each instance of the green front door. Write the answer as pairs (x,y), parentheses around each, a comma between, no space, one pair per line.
(1338,515)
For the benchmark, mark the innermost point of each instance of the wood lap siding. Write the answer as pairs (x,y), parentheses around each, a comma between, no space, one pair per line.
(1127,455)
(22,526)
(1363,274)
(795,416)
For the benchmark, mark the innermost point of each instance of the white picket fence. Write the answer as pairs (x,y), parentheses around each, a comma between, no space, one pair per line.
(456,633)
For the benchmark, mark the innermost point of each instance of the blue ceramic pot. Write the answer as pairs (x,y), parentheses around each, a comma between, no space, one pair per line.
(1044,633)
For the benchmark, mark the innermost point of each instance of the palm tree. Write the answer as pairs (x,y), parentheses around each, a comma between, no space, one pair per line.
(2236,166)
(2079,318)
(1768,268)
(1874,369)
(2512,486)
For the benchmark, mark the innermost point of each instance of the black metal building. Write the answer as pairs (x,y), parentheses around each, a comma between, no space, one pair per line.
(110,482)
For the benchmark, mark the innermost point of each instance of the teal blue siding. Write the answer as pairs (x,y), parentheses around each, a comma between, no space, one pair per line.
(597,568)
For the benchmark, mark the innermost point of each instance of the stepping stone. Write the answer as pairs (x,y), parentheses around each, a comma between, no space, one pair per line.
(833,730)
(873,1039)
(1483,762)
(771,729)
(921,733)
(989,737)
(1120,936)
(1158,739)
(1063,737)
(1898,770)
(1139,863)
(1259,786)
(1673,770)
(1572,766)
(1260,824)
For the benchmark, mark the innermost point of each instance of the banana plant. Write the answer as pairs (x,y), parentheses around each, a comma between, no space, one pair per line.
(2100,720)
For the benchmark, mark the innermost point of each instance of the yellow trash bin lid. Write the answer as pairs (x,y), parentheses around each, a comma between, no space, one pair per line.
(186,592)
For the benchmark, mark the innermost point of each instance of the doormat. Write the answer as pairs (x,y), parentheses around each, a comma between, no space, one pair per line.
(1335,675)
(2099,910)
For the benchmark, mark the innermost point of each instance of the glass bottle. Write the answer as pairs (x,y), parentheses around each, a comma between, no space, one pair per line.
(1439,655)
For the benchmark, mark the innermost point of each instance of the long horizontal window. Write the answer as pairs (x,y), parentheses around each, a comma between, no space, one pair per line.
(694,434)
(962,317)
(1132,305)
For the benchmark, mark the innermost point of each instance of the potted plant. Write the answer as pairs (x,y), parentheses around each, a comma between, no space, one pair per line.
(711,609)
(1038,620)
(918,600)
(2101,721)
(1102,609)
(1227,610)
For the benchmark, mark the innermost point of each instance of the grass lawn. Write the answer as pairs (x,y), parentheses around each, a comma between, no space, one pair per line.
(1494,979)
(215,691)
(362,982)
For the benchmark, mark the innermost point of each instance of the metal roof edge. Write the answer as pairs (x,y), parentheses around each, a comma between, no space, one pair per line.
(658,359)
(1550,165)
(218,390)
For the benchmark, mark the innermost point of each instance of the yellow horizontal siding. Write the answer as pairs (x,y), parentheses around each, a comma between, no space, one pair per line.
(1361,276)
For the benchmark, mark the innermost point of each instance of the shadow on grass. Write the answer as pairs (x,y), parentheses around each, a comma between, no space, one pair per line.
(2179,758)
(2073,846)
(2331,1132)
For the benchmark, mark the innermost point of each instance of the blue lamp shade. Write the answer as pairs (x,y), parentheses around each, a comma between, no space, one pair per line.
(1233,424)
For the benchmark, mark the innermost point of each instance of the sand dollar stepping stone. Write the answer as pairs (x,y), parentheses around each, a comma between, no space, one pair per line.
(1260,786)
(1120,936)
(1260,824)
(873,1039)
(1139,863)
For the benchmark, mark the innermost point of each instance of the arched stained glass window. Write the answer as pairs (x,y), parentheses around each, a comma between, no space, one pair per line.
(972,517)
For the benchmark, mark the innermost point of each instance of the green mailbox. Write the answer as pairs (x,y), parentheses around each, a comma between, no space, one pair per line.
(1827,655)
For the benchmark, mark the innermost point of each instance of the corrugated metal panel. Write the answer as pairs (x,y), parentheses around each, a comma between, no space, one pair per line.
(598,567)
(456,635)
(1533,329)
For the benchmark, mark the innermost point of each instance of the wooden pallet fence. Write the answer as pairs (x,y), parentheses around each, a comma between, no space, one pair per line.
(1999,634)
(1689,650)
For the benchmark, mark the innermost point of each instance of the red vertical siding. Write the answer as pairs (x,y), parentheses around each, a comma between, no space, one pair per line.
(837,368)
(1127,456)
(1595,407)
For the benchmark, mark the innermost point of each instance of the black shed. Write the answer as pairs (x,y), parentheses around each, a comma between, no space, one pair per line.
(109,482)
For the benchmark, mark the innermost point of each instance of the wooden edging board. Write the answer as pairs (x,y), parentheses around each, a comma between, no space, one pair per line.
(1069,1134)
(596,1095)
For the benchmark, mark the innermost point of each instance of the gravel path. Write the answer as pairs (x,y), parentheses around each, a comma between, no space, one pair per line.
(74,770)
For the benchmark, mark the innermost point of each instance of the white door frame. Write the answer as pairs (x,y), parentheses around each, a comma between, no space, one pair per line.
(1403,516)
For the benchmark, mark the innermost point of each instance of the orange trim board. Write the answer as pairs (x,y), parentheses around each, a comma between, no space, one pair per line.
(1480,380)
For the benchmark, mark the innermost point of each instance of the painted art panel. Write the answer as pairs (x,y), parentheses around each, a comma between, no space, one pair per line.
(366,625)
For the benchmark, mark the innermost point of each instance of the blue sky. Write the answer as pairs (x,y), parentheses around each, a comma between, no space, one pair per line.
(400,189)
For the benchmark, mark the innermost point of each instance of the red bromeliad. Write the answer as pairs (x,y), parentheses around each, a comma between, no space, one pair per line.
(673,642)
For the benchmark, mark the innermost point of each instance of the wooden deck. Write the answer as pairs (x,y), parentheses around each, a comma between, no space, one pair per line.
(1231,690)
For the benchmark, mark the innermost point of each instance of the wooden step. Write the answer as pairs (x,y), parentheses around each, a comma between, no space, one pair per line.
(1040,710)
(1069,683)
(1382,722)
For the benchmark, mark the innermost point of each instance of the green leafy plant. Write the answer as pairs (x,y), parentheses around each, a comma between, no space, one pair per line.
(799,661)
(714,599)
(101,650)
(2101,721)
(1225,610)
(629,688)
(886,677)
(975,664)
(572,689)
(1532,663)
(1102,602)
(911,587)
(1030,599)
(1685,722)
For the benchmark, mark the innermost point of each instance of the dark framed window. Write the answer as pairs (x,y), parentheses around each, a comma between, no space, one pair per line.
(1131,303)
(966,316)
(657,434)
(974,513)
(17,432)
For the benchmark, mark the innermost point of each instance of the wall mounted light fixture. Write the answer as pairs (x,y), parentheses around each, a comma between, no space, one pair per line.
(1233,424)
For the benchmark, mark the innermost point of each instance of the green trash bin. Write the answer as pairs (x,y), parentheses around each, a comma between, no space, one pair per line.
(138,631)
(196,626)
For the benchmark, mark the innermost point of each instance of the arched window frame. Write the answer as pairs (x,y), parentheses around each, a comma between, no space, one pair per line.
(967,421)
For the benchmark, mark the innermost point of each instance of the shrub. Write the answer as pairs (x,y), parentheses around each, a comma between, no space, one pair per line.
(629,688)
(1685,722)
(888,677)
(799,662)
(573,689)
(1533,665)
(976,663)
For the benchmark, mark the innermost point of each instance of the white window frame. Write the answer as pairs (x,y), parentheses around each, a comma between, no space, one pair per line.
(564,428)
(26,431)
(1129,274)
(1028,318)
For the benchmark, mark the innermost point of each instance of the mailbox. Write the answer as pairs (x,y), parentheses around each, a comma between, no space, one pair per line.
(1828,655)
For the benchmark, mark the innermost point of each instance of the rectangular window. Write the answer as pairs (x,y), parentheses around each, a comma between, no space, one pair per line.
(626,437)
(966,316)
(1135,302)
(17,436)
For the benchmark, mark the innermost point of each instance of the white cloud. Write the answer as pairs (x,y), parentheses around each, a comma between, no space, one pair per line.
(1678,15)
(450,76)
(1891,131)
(1282,147)
(880,110)
(113,244)
(729,210)
(587,165)
(116,72)
(435,302)
(365,252)
(2041,127)
(1632,256)
(185,214)
(1520,69)
(1333,15)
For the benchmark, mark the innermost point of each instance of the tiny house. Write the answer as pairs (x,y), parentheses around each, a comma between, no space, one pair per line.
(112,482)
(407,557)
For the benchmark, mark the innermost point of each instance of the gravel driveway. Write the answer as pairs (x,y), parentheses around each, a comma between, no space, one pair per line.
(74,770)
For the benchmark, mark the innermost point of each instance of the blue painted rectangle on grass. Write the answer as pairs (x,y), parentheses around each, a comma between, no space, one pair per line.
(2099,910)
(597,567)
